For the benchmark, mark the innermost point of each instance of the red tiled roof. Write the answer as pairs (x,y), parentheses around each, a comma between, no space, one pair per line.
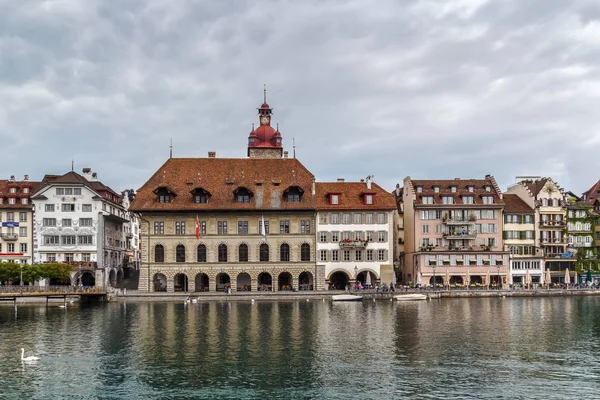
(6,185)
(73,177)
(536,186)
(462,186)
(352,196)
(513,204)
(267,179)
(592,193)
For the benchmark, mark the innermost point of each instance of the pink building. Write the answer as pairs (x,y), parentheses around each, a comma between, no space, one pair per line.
(453,232)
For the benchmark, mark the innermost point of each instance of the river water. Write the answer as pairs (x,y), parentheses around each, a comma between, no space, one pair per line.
(513,348)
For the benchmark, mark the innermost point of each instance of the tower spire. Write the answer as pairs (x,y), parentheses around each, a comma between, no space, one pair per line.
(294,142)
(171,149)
(265,93)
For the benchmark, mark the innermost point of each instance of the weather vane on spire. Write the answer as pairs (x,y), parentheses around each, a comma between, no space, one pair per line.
(265,92)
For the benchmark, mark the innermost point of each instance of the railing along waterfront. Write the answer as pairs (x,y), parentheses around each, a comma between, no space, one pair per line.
(50,289)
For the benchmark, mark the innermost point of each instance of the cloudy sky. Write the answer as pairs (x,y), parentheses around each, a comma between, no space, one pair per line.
(426,88)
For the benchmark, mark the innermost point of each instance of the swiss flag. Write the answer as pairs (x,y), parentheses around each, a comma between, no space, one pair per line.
(197,228)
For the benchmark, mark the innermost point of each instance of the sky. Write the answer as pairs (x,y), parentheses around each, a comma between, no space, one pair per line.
(432,89)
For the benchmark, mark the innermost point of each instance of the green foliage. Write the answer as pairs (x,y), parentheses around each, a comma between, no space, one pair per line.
(11,272)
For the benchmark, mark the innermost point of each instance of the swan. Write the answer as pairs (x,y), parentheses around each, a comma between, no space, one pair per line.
(194,300)
(30,358)
(61,306)
(252,301)
(307,300)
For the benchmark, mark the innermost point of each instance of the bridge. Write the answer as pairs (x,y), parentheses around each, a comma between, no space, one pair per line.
(15,292)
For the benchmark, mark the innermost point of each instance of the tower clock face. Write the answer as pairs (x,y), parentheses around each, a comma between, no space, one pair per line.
(264,120)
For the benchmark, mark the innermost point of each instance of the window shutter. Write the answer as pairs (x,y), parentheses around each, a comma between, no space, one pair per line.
(505,235)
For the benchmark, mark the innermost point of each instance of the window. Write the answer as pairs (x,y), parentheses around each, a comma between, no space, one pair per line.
(60,191)
(264,252)
(23,247)
(381,218)
(242,227)
(358,255)
(203,227)
(85,222)
(424,229)
(284,252)
(346,235)
(436,189)
(68,207)
(468,200)
(85,239)
(69,191)
(380,255)
(51,257)
(23,231)
(66,222)
(25,190)
(49,222)
(222,227)
(69,257)
(164,197)
(10,216)
(447,200)
(294,195)
(335,237)
(69,240)
(491,242)
(358,235)
(260,227)
(77,191)
(11,247)
(419,189)
(24,200)
(323,218)
(284,226)
(86,257)
(335,218)
(22,217)
(323,237)
(180,227)
(242,196)
(12,200)
(49,207)
(345,218)
(305,226)
(159,228)
(487,199)
(305,252)
(368,218)
(381,236)
(334,199)
(50,240)
(86,208)
(200,198)
(222,252)
(453,189)
(201,253)
(346,254)
(470,189)
(427,199)
(243,253)
(368,199)
(180,253)
(335,255)
(323,255)
(159,253)
(370,236)
(369,255)
(357,218)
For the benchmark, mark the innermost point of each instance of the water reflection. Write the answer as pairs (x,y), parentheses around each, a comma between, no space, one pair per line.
(483,348)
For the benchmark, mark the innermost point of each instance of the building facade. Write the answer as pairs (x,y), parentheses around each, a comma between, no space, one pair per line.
(453,232)
(230,248)
(526,258)
(80,221)
(16,219)
(355,234)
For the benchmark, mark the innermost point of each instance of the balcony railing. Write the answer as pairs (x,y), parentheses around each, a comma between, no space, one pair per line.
(10,236)
(459,235)
(459,221)
(559,241)
(549,223)
(349,243)
(580,244)
(76,264)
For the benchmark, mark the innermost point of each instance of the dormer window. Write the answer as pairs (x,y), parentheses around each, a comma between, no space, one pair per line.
(200,196)
(488,188)
(447,200)
(242,195)
(487,199)
(470,189)
(164,195)
(453,189)
(293,194)
(419,189)
(368,199)
(468,200)
(13,190)
(24,200)
(334,199)
(427,199)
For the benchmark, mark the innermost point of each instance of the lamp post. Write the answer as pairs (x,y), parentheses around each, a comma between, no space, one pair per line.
(79,280)
(434,277)
(498,283)
(355,275)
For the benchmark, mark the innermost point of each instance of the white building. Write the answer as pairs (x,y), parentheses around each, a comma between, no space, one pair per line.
(80,221)
(354,232)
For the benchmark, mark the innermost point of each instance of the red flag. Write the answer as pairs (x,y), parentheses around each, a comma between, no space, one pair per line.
(197,228)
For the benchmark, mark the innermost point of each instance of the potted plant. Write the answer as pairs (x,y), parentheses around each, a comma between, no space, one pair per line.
(472,217)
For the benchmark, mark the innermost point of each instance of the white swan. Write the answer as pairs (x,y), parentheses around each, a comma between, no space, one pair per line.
(252,301)
(61,306)
(194,300)
(30,358)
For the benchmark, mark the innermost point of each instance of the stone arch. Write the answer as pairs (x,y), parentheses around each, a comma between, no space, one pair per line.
(180,282)
(456,280)
(338,279)
(120,278)
(284,281)
(264,281)
(223,281)
(306,281)
(243,282)
(88,279)
(201,282)
(112,277)
(159,282)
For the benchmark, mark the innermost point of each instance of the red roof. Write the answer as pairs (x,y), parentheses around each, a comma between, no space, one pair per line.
(462,189)
(6,185)
(352,196)
(513,204)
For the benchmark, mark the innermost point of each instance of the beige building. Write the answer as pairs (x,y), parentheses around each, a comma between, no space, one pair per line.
(16,220)
(229,248)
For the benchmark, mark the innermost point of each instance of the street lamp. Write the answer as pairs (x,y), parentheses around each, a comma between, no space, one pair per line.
(79,280)
(355,272)
(434,277)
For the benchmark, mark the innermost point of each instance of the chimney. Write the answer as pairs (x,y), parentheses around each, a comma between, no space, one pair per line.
(314,187)
(87,173)
(340,179)
(368,181)
(488,176)
(12,178)
(285,154)
(397,189)
(362,181)
(26,178)
(212,154)
(94,176)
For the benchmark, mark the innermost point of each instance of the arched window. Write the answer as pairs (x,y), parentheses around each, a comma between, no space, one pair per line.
(201,253)
(222,253)
(159,253)
(243,253)
(305,252)
(180,253)
(284,252)
(264,252)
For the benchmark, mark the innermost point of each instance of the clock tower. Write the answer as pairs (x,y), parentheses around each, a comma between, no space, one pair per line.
(264,141)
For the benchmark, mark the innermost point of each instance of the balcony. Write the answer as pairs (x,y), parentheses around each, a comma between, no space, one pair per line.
(580,245)
(353,244)
(459,235)
(458,221)
(551,224)
(558,241)
(10,236)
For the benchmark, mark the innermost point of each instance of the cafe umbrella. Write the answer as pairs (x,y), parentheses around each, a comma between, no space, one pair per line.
(567,277)
(487,278)
(548,278)
(588,277)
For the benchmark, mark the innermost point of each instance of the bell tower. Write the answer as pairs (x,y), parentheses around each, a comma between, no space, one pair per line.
(264,141)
